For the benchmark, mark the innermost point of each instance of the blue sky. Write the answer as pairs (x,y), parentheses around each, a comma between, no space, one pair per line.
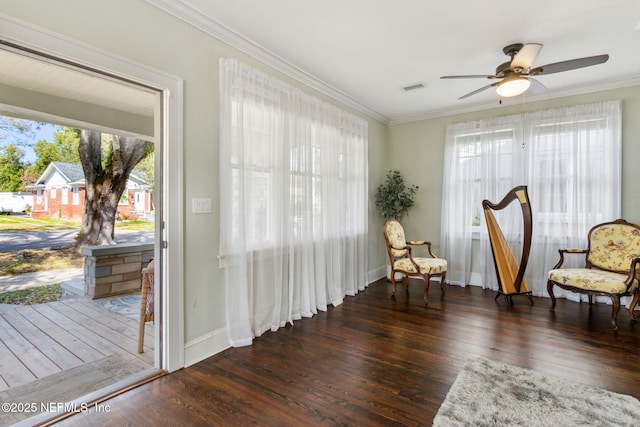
(45,132)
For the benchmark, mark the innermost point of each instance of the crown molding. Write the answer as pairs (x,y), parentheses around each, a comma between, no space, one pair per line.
(193,17)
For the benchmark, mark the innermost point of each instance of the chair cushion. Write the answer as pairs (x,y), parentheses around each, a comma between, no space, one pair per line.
(592,280)
(427,265)
(395,234)
(613,246)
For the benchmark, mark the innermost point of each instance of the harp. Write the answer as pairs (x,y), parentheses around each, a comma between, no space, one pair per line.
(510,274)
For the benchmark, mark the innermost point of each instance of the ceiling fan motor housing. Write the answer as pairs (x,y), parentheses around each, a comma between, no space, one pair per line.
(511,51)
(503,68)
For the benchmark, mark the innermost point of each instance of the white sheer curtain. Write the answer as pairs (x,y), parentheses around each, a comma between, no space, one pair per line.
(570,160)
(293,194)
(481,162)
(574,168)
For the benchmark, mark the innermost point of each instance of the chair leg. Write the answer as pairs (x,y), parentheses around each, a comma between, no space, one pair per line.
(143,306)
(427,279)
(141,335)
(634,302)
(442,279)
(616,307)
(393,282)
(550,292)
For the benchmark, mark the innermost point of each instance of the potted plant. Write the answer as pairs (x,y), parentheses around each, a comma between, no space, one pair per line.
(393,200)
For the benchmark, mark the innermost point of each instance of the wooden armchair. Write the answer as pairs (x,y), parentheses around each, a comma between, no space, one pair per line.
(402,261)
(611,258)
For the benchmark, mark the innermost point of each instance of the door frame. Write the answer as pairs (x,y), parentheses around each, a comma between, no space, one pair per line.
(168,124)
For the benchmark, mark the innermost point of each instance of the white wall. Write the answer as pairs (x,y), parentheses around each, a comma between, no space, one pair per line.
(138,31)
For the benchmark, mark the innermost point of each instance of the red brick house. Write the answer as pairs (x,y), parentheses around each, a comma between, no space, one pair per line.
(60,193)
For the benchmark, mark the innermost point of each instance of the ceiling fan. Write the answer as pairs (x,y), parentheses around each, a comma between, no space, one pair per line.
(515,76)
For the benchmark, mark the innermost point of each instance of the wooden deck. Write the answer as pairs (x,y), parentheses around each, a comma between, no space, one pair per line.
(44,339)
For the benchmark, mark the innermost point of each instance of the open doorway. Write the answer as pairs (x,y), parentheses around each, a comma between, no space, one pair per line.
(42,87)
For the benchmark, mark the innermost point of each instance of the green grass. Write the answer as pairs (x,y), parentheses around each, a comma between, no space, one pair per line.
(135,224)
(25,223)
(30,296)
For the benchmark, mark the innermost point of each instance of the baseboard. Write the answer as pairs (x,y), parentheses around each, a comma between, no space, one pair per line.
(205,346)
(377,274)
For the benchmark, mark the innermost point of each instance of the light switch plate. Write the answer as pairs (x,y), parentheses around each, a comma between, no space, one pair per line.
(201,206)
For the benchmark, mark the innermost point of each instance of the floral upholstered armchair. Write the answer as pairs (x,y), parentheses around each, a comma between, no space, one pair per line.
(610,269)
(402,261)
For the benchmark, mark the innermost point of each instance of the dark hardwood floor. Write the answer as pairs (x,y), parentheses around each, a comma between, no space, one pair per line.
(375,360)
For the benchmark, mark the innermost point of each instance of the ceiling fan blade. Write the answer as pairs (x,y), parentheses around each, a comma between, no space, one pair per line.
(536,86)
(482,89)
(472,76)
(525,56)
(572,64)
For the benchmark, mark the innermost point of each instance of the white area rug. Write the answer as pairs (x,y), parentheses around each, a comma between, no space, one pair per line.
(488,393)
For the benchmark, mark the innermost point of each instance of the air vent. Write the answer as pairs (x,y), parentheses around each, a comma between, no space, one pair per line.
(413,87)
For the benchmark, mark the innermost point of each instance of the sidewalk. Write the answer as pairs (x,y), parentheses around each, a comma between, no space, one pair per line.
(33,280)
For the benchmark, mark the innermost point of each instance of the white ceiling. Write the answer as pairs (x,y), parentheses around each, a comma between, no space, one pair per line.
(366,51)
(37,74)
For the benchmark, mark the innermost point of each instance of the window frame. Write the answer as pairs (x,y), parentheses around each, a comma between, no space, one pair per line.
(75,196)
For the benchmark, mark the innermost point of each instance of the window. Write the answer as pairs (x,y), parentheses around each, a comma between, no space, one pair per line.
(253,162)
(567,166)
(570,160)
(472,153)
(52,193)
(275,175)
(39,196)
(139,200)
(65,196)
(76,195)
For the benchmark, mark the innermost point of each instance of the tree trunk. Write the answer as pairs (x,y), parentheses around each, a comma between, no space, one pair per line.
(105,184)
(100,207)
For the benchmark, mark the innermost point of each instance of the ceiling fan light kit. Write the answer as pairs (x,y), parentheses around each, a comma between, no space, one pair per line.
(513,86)
(515,75)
